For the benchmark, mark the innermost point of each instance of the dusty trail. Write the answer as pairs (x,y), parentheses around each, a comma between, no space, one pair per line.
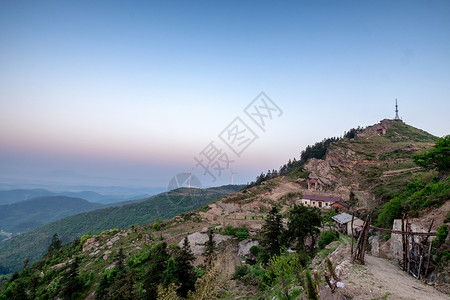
(380,279)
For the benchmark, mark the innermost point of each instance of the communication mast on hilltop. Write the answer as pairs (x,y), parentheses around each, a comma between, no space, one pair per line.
(396,110)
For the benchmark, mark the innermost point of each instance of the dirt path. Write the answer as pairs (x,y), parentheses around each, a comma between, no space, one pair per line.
(380,279)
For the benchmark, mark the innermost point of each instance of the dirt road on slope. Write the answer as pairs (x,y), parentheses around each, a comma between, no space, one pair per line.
(380,279)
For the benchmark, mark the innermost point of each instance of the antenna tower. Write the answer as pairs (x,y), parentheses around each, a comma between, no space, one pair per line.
(396,110)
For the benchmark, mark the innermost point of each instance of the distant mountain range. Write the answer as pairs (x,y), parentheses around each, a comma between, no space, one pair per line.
(29,214)
(17,195)
(33,244)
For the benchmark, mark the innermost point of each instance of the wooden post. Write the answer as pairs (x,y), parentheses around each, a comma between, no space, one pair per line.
(429,250)
(407,245)
(316,278)
(327,279)
(365,237)
(358,242)
(428,258)
(404,243)
(351,228)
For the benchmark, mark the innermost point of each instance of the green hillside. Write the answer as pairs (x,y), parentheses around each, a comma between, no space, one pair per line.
(29,214)
(400,168)
(33,244)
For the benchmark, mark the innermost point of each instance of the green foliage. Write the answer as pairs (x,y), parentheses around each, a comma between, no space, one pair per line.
(401,131)
(327,220)
(437,157)
(85,237)
(255,250)
(55,245)
(310,286)
(185,275)
(390,211)
(169,275)
(240,233)
(157,265)
(283,272)
(139,258)
(442,232)
(352,133)
(26,215)
(210,249)
(304,222)
(327,237)
(240,271)
(318,150)
(272,234)
(442,253)
(420,193)
(71,282)
(199,272)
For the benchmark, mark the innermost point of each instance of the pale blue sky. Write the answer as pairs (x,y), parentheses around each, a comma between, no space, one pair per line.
(136,89)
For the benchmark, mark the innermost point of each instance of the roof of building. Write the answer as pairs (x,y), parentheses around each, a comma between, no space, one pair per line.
(344,218)
(321,198)
(312,180)
(342,203)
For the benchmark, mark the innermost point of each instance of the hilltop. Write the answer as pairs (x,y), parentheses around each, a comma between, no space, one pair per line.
(368,169)
(375,163)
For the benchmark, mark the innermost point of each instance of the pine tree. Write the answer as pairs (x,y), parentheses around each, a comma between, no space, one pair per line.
(170,274)
(125,288)
(185,271)
(210,248)
(157,265)
(71,282)
(272,234)
(122,286)
(102,289)
(55,244)
(310,286)
(120,263)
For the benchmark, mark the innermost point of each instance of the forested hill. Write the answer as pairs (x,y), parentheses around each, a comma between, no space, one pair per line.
(33,244)
(29,214)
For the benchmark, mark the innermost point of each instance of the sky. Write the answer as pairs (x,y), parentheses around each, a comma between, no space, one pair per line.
(133,92)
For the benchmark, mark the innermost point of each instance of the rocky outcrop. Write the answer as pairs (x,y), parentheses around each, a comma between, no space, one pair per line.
(197,241)
(245,245)
(330,172)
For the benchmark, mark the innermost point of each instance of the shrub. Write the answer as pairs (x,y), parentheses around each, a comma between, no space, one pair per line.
(255,250)
(241,234)
(240,271)
(442,233)
(391,210)
(327,237)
